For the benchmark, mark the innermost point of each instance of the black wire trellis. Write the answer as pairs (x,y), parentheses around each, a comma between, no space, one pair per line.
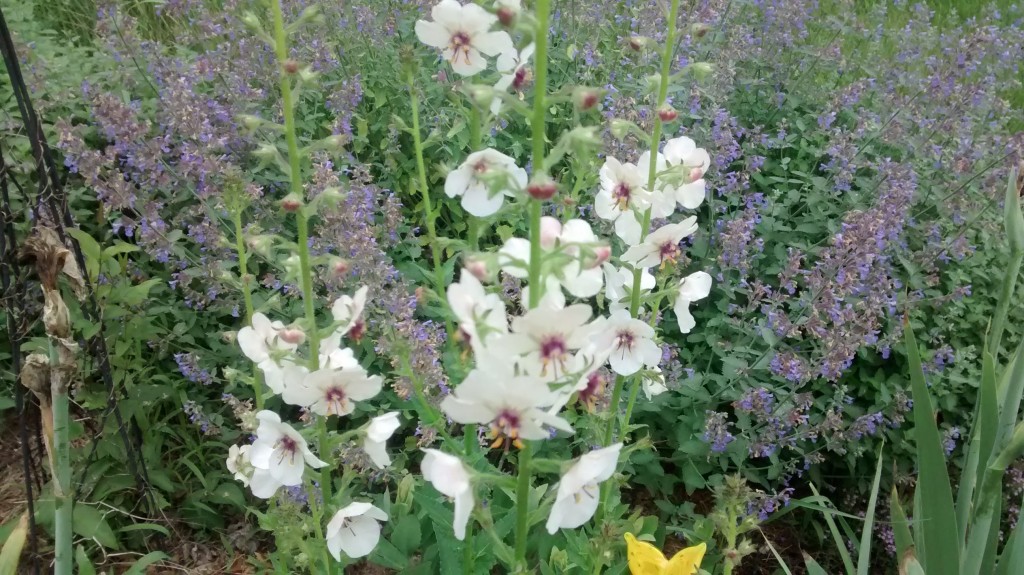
(19,299)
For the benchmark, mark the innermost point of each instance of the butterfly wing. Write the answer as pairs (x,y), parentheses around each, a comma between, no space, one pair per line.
(644,558)
(687,561)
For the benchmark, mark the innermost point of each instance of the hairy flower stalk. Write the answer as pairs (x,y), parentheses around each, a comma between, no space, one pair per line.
(645,226)
(543,10)
(236,205)
(306,271)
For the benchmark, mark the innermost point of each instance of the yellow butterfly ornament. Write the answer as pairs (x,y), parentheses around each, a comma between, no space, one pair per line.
(645,559)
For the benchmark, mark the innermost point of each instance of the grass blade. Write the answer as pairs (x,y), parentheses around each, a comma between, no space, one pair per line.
(813,568)
(1013,552)
(983,440)
(782,562)
(838,538)
(900,525)
(939,516)
(10,555)
(1010,397)
(864,556)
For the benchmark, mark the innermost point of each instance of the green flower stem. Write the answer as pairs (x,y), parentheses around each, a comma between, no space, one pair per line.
(429,215)
(243,274)
(62,496)
(634,300)
(306,271)
(543,11)
(473,233)
(318,519)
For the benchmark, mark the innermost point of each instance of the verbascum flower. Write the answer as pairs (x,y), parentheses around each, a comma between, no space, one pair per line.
(462,34)
(578,492)
(354,529)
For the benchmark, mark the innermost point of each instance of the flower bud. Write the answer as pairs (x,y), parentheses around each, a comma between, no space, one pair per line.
(307,74)
(292,335)
(341,267)
(291,67)
(696,174)
(478,268)
(266,152)
(250,122)
(619,128)
(601,255)
(481,94)
(542,189)
(638,43)
(667,114)
(291,203)
(507,16)
(405,489)
(699,30)
(586,98)
(701,69)
(585,137)
(550,229)
(421,295)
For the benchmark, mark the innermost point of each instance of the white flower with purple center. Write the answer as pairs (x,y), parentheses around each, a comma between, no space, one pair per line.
(623,193)
(545,338)
(332,391)
(462,34)
(279,455)
(481,315)
(348,311)
(683,153)
(629,343)
(661,246)
(511,404)
(263,343)
(381,429)
(514,74)
(474,178)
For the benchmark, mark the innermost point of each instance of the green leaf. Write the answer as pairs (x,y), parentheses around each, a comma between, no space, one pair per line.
(1013,552)
(406,535)
(88,522)
(909,565)
(139,567)
(813,568)
(837,538)
(10,555)
(84,564)
(864,556)
(900,525)
(119,248)
(145,527)
(1011,392)
(90,249)
(388,555)
(939,520)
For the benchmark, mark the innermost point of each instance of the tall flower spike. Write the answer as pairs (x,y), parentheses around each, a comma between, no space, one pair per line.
(381,429)
(578,492)
(662,245)
(354,529)
(471,180)
(462,34)
(693,287)
(449,476)
(280,453)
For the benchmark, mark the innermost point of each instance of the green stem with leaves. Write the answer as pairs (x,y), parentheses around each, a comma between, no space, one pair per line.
(429,215)
(537,125)
(652,174)
(473,233)
(243,276)
(302,225)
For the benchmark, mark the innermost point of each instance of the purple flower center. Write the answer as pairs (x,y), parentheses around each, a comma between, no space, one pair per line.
(621,194)
(669,252)
(506,425)
(553,350)
(335,399)
(460,44)
(289,448)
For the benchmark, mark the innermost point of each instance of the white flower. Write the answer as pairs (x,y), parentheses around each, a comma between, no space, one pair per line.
(693,287)
(377,433)
(622,192)
(546,335)
(493,394)
(461,32)
(354,529)
(481,315)
(578,493)
(661,245)
(469,181)
(348,310)
(513,73)
(280,453)
(238,463)
(654,383)
(449,476)
(579,273)
(261,341)
(619,284)
(663,198)
(332,391)
(684,152)
(630,342)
